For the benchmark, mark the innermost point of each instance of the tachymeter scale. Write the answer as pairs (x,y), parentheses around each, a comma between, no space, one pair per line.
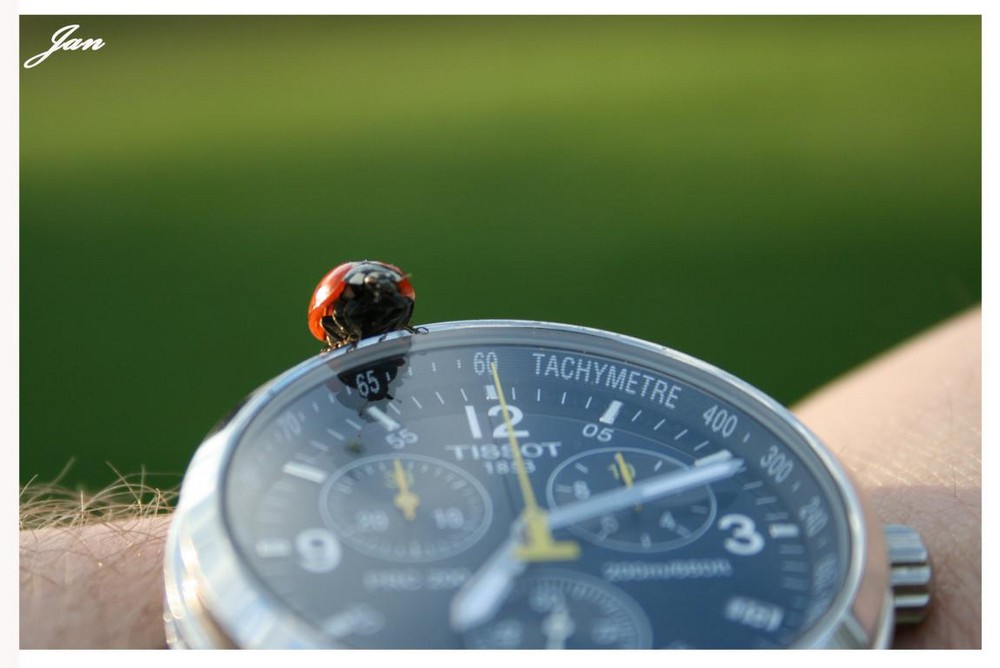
(406,507)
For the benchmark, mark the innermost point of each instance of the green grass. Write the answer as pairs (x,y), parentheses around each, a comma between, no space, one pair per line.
(783,197)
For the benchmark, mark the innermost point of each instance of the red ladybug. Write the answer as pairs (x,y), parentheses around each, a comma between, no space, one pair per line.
(360,299)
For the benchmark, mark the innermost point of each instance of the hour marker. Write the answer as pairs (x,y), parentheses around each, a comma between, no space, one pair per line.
(357,619)
(464,397)
(491,393)
(336,435)
(589,399)
(353,424)
(382,418)
(284,485)
(746,437)
(470,414)
(636,416)
(764,500)
(581,468)
(320,446)
(440,398)
(680,434)
(783,530)
(315,407)
(513,394)
(659,424)
(753,485)
(304,471)
(700,446)
(797,584)
(538,394)
(273,547)
(395,409)
(419,405)
(611,413)
(562,402)
(658,466)
(720,456)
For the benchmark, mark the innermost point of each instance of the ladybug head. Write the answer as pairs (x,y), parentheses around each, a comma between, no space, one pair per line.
(380,282)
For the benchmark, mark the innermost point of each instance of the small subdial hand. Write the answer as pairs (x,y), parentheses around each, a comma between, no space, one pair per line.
(623,471)
(558,626)
(405,499)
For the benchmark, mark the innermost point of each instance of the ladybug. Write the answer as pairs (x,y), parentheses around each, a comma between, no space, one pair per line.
(360,299)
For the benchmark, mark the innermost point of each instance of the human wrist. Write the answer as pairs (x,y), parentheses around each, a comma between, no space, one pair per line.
(97,585)
(908,427)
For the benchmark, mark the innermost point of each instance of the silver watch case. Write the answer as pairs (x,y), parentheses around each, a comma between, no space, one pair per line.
(213,601)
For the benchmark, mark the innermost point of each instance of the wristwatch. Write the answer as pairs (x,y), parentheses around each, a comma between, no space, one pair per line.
(521,484)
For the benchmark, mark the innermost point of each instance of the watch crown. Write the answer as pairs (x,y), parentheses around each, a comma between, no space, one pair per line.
(910,573)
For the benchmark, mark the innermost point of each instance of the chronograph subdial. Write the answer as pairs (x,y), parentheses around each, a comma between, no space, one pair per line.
(406,508)
(561,610)
(657,526)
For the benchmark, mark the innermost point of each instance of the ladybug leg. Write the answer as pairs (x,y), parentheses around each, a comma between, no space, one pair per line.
(336,335)
(408,328)
(348,340)
(352,337)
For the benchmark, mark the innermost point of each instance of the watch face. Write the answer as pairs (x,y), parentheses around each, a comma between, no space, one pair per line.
(505,485)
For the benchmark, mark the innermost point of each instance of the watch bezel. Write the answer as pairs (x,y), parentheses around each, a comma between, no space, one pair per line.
(213,600)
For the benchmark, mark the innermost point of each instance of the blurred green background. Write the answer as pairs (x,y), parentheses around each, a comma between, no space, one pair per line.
(782,196)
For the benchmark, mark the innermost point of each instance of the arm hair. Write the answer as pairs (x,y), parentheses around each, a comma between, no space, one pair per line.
(91,566)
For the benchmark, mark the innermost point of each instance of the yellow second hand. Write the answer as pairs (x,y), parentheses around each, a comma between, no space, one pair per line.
(540,546)
(530,503)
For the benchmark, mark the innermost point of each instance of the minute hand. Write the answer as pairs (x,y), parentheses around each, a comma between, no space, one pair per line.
(641,492)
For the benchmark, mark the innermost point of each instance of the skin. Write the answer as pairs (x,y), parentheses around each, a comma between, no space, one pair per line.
(913,442)
(907,425)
